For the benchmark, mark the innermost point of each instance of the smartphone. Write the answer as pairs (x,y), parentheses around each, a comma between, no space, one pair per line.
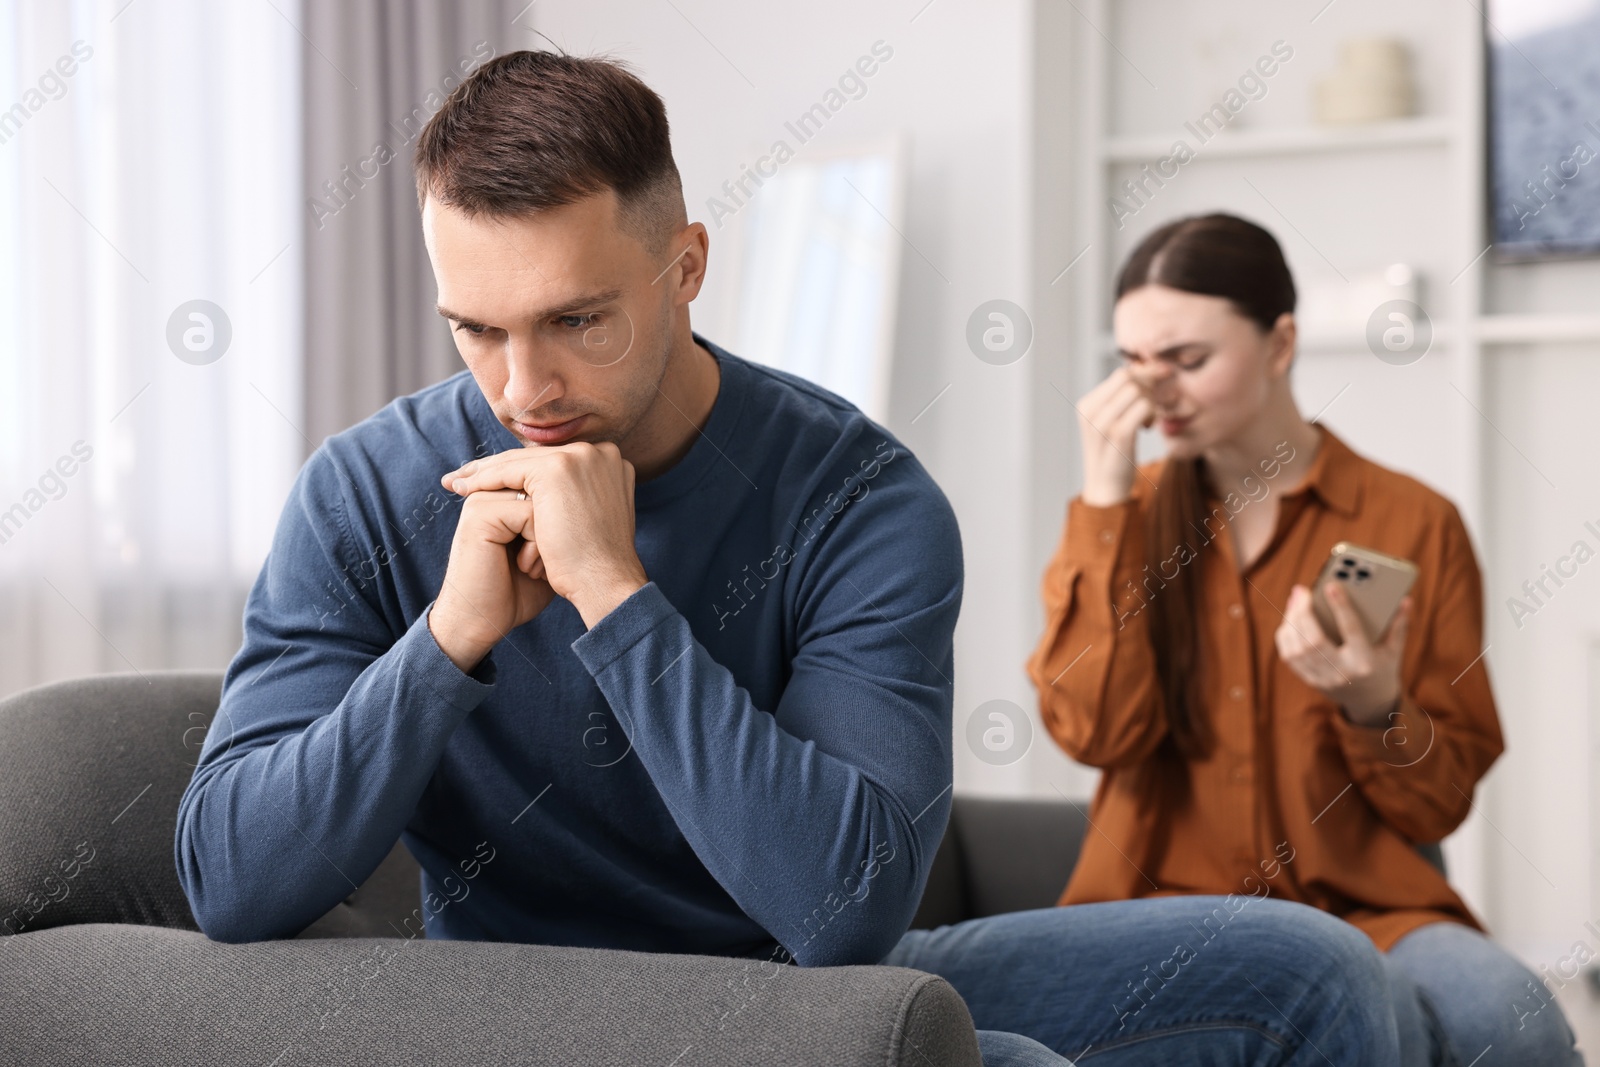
(1376,583)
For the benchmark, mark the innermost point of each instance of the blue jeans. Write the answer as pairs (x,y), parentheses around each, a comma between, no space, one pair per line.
(1177,981)
(1461,999)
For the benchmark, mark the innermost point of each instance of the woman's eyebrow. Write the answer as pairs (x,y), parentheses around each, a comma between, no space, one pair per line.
(1169,351)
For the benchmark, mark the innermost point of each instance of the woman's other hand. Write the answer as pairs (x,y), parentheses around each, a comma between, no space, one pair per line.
(1359,675)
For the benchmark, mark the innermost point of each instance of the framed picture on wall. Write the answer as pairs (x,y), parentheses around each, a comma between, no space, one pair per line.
(1543,112)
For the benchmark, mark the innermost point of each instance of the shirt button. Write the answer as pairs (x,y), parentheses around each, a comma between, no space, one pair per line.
(1106,536)
(1236,692)
(1236,610)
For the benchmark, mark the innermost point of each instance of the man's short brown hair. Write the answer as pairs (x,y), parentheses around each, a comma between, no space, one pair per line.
(531,130)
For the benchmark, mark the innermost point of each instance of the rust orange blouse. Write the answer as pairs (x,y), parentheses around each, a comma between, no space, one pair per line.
(1294,801)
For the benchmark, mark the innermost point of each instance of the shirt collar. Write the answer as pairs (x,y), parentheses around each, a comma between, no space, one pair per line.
(1335,474)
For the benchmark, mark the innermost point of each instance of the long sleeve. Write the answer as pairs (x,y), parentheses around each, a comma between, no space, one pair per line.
(1420,768)
(820,819)
(329,729)
(1094,667)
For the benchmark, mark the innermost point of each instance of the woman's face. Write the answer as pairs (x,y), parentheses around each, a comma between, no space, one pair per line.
(1208,369)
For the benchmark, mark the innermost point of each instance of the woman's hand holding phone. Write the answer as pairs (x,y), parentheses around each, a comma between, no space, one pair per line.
(1109,418)
(1361,676)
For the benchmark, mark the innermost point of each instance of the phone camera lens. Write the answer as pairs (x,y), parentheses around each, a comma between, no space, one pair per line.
(1341,574)
(1349,562)
(1363,574)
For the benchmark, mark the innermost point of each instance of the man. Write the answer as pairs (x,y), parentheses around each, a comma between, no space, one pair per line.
(634,643)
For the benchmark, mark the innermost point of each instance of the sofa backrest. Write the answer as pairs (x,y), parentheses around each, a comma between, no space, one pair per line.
(1001,854)
(91,772)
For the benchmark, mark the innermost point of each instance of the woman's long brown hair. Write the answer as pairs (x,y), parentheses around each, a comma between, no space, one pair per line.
(1212,255)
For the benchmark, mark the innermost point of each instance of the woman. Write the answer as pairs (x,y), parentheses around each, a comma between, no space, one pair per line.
(1245,751)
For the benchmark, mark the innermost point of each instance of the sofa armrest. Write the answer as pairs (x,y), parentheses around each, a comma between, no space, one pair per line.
(109,992)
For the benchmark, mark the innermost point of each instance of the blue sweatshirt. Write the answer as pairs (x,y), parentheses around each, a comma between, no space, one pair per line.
(751,755)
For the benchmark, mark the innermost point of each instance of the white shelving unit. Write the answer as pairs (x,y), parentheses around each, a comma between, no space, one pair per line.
(1234,144)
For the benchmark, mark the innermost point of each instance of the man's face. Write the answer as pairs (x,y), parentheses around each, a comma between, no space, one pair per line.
(563,318)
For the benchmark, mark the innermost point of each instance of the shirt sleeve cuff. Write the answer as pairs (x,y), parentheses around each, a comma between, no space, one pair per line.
(1399,741)
(1099,534)
(1106,541)
(422,654)
(628,623)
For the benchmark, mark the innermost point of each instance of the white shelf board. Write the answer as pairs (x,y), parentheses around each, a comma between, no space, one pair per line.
(1430,131)
(1345,343)
(1528,329)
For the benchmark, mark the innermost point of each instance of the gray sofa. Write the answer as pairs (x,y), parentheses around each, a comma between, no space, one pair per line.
(101,961)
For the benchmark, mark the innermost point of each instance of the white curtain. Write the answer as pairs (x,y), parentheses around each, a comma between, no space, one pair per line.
(149,158)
